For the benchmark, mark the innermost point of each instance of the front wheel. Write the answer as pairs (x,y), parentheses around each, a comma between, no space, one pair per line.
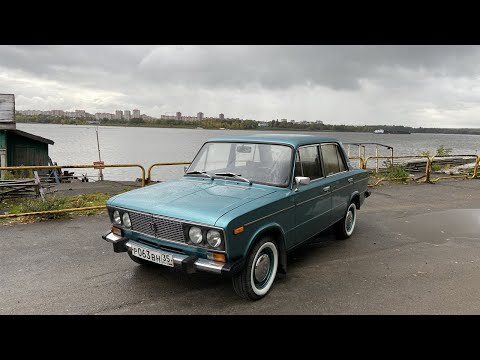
(344,228)
(256,279)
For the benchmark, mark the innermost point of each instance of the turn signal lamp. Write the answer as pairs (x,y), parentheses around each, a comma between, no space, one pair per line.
(116,231)
(216,257)
(238,230)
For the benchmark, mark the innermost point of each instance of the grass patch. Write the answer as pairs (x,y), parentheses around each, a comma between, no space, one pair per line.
(17,206)
(397,173)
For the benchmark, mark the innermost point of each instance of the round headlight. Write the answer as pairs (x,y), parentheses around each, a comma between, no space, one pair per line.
(195,235)
(126,220)
(213,238)
(116,218)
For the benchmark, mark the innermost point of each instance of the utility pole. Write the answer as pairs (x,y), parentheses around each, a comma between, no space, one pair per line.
(100,173)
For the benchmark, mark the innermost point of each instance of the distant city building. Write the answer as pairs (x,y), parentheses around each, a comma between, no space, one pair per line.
(58,112)
(101,116)
(136,114)
(221,117)
(118,114)
(127,115)
(284,120)
(70,114)
(145,117)
(319,122)
(80,113)
(179,115)
(200,116)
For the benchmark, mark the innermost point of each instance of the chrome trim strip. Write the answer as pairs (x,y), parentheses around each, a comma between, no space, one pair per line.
(349,184)
(316,197)
(296,226)
(344,204)
(267,216)
(200,264)
(341,172)
(170,218)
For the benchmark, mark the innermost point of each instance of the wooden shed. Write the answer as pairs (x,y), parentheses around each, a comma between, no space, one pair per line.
(25,149)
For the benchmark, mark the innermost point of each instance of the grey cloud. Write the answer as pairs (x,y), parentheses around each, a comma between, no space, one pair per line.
(274,67)
(334,83)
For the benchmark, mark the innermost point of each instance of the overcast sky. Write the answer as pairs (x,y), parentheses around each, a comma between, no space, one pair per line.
(429,86)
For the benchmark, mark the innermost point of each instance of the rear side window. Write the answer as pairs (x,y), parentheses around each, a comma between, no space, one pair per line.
(332,159)
(308,160)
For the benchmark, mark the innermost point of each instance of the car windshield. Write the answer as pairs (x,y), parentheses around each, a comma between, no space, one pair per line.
(258,163)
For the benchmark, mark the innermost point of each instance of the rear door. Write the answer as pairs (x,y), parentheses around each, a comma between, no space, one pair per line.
(313,201)
(340,181)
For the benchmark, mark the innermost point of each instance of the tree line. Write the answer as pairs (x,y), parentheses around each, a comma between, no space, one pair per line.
(235,124)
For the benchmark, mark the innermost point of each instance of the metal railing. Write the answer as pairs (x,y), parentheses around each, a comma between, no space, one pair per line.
(149,179)
(44,167)
(146,180)
(465,176)
(363,146)
(427,167)
(51,167)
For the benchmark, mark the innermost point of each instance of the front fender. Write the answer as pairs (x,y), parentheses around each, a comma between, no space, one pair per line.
(274,229)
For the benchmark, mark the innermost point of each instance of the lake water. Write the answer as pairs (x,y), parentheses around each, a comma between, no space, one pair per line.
(76,144)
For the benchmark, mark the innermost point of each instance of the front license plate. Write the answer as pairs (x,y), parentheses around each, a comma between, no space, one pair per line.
(158,257)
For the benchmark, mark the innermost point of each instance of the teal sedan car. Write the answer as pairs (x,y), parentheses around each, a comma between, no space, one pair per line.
(243,203)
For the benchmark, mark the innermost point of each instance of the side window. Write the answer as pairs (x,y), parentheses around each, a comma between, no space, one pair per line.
(330,159)
(310,162)
(341,163)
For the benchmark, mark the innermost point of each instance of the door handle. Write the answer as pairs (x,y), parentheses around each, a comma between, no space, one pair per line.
(326,188)
(350,180)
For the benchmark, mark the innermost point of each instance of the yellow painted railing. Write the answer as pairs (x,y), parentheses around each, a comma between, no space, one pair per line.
(16,168)
(464,176)
(149,179)
(363,162)
(427,167)
(51,167)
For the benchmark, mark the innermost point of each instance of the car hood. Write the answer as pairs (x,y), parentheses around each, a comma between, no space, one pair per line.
(197,200)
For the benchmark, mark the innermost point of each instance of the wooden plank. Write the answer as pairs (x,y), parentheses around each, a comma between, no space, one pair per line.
(6,116)
(7,107)
(37,182)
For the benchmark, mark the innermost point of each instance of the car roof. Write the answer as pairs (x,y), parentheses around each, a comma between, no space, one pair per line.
(294,140)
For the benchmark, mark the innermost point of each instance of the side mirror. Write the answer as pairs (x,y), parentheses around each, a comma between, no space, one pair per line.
(185,168)
(301,180)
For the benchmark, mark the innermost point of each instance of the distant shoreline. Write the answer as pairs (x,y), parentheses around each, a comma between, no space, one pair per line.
(312,127)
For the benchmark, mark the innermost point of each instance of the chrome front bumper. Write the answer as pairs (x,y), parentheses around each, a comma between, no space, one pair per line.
(186,262)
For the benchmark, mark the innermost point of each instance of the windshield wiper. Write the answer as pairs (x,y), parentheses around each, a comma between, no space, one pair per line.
(195,172)
(237,176)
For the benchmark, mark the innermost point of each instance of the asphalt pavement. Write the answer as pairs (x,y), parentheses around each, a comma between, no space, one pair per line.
(415,250)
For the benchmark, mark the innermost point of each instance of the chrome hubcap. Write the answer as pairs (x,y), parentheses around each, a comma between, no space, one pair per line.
(349,220)
(261,267)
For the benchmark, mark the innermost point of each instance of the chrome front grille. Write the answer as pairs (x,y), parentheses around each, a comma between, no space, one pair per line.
(142,223)
(158,227)
(168,229)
